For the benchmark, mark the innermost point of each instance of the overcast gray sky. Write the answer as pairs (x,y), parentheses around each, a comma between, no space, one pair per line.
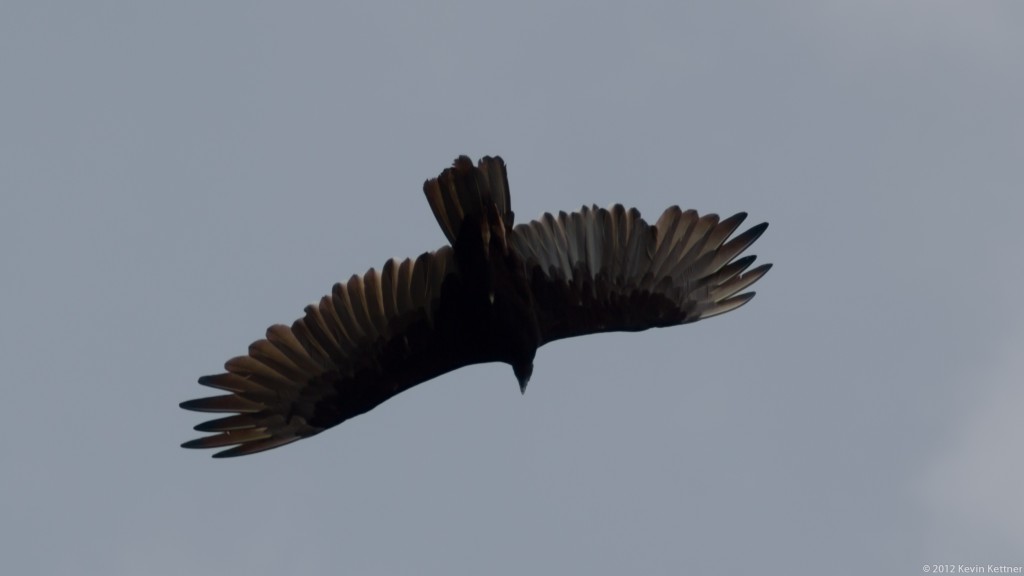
(175,177)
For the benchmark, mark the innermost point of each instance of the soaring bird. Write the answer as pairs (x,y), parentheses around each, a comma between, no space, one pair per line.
(495,294)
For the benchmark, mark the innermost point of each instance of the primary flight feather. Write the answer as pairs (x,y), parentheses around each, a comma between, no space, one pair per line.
(495,294)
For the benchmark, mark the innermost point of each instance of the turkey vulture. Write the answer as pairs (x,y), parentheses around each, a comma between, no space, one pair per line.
(496,294)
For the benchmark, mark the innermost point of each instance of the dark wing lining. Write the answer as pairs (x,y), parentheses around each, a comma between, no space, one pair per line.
(370,339)
(601,270)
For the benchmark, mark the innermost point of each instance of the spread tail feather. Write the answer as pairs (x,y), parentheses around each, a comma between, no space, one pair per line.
(464,190)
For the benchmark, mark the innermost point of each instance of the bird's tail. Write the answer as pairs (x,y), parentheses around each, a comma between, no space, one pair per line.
(465,190)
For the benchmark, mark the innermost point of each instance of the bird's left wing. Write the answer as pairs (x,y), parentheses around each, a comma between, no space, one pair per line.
(370,339)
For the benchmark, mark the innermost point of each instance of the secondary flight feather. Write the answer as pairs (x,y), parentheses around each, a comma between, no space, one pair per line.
(496,293)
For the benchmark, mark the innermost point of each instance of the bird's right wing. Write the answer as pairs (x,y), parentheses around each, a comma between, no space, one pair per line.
(370,339)
(601,270)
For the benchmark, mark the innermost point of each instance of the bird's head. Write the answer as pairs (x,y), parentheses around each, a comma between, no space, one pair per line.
(523,372)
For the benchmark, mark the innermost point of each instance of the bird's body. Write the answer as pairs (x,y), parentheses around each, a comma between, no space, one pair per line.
(496,294)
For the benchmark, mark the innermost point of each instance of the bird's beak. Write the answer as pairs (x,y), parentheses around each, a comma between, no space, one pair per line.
(523,373)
